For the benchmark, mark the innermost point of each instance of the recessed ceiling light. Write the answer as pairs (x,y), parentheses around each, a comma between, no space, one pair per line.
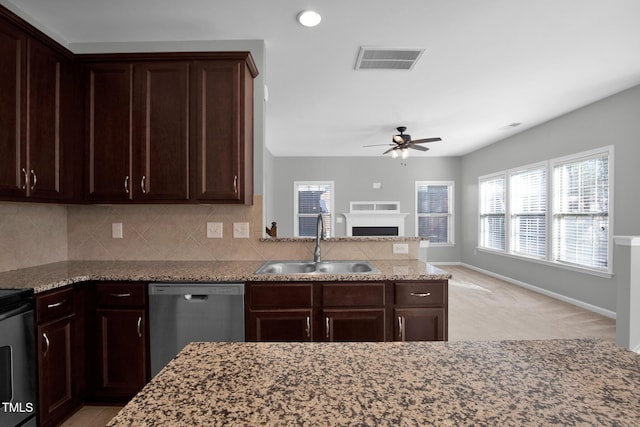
(309,18)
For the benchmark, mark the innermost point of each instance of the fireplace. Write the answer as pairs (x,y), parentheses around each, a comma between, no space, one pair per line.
(374,231)
(375,219)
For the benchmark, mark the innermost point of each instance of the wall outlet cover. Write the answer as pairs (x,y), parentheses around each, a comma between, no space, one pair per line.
(214,230)
(400,248)
(116,230)
(240,230)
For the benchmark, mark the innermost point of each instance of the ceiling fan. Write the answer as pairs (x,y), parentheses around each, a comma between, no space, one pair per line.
(403,141)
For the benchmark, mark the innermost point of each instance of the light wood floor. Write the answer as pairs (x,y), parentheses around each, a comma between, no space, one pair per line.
(480,308)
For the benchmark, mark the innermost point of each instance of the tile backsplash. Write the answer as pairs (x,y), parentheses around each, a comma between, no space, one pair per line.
(32,234)
(35,234)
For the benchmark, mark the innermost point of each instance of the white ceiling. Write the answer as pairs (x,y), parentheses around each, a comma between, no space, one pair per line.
(487,64)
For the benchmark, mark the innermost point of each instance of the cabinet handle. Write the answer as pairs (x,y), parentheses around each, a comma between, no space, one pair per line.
(35,179)
(139,327)
(400,327)
(46,341)
(125,295)
(142,184)
(421,295)
(126,184)
(26,179)
(235,184)
(308,327)
(327,326)
(57,304)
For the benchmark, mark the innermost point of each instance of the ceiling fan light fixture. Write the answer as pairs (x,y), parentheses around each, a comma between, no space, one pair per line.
(309,18)
(404,153)
(394,154)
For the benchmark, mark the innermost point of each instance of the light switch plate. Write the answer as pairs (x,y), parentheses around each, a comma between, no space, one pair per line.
(214,230)
(240,230)
(400,248)
(116,230)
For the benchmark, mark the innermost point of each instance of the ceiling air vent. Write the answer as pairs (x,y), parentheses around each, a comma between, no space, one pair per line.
(387,58)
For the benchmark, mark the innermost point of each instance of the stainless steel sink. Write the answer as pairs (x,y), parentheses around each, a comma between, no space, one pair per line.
(322,267)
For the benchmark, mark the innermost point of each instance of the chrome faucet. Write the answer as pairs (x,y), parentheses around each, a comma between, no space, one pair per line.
(320,234)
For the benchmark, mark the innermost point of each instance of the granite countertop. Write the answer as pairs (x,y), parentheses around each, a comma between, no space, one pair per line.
(506,383)
(51,276)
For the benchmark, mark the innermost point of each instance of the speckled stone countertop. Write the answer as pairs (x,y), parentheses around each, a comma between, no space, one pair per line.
(493,383)
(60,274)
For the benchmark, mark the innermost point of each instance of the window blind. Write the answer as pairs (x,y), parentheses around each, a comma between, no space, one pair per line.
(581,212)
(434,211)
(492,213)
(528,207)
(313,198)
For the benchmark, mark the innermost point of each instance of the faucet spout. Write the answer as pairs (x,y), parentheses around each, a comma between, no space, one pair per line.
(320,234)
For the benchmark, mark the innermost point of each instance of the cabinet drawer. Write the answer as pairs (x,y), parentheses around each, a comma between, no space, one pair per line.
(280,295)
(54,304)
(420,293)
(352,294)
(120,294)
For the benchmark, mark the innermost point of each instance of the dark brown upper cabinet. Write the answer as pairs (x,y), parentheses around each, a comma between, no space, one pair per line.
(224,131)
(170,127)
(38,112)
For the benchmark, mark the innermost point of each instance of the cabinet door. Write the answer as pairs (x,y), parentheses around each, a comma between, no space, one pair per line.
(109,132)
(419,324)
(280,325)
(55,370)
(122,354)
(353,324)
(161,131)
(220,130)
(12,111)
(44,162)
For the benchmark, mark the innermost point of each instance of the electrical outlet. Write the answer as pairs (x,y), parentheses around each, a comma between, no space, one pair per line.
(240,230)
(116,230)
(214,230)
(400,248)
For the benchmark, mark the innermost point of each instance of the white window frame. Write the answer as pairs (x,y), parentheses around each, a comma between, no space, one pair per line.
(331,215)
(490,177)
(510,220)
(450,215)
(550,165)
(586,155)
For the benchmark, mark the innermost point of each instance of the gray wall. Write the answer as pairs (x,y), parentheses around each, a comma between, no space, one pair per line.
(612,121)
(354,178)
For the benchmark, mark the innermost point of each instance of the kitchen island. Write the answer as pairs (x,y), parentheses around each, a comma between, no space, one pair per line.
(508,383)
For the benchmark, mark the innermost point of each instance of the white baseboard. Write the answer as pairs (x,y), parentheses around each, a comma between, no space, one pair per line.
(602,311)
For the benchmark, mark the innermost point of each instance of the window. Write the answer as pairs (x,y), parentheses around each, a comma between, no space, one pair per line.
(559,211)
(310,199)
(434,211)
(581,211)
(492,212)
(528,211)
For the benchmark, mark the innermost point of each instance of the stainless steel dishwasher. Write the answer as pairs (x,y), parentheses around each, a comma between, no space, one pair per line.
(180,313)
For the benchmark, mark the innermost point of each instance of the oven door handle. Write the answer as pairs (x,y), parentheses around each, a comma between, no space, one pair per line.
(15,311)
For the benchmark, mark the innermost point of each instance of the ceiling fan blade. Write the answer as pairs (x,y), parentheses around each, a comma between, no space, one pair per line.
(418,147)
(422,141)
(375,145)
(389,150)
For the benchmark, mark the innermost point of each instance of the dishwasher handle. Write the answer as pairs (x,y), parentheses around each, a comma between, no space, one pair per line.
(196,290)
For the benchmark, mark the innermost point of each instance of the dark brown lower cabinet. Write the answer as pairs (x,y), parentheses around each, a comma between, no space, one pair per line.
(347,311)
(55,372)
(121,352)
(121,359)
(419,324)
(60,354)
(353,324)
(280,325)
